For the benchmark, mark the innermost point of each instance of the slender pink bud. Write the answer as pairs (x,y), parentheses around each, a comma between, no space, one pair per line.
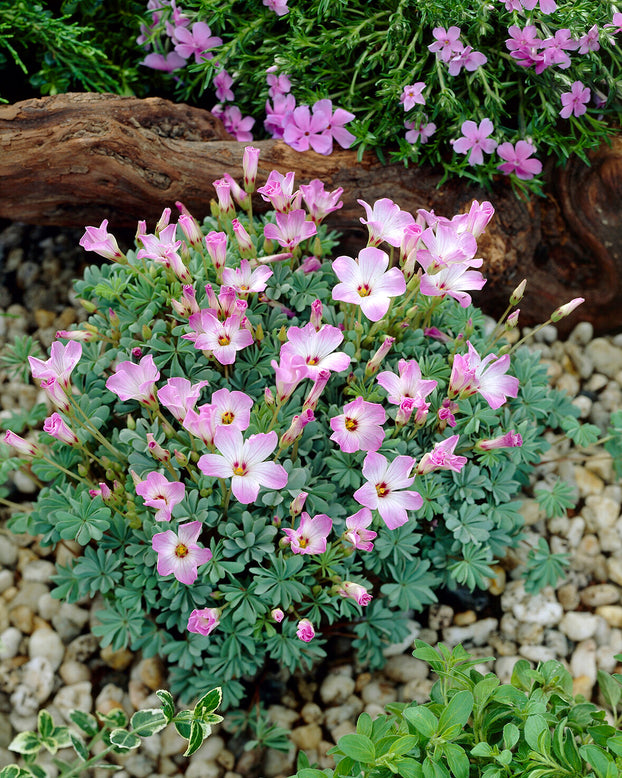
(354,591)
(182,208)
(316,314)
(245,244)
(239,195)
(376,360)
(82,335)
(296,427)
(180,458)
(141,230)
(113,316)
(517,294)
(105,491)
(298,503)
(567,309)
(274,258)
(136,478)
(216,243)
(511,439)
(163,221)
(404,412)
(412,233)
(277,614)
(56,393)
(250,160)
(512,320)
(214,304)
(55,426)
(192,231)
(155,449)
(22,446)
(316,390)
(137,352)
(268,396)
(310,264)
(223,192)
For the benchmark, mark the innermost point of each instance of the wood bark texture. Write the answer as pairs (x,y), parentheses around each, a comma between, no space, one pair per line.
(75,159)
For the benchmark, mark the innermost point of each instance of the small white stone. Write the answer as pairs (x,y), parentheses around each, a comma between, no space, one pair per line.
(275,763)
(504,667)
(606,357)
(600,594)
(414,631)
(582,334)
(404,668)
(8,550)
(379,692)
(584,404)
(336,689)
(537,653)
(23,482)
(78,696)
(600,512)
(279,714)
(38,675)
(7,578)
(74,672)
(46,643)
(9,643)
(39,570)
(579,626)
(583,660)
(476,633)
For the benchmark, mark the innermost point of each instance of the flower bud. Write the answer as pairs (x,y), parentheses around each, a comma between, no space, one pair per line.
(298,503)
(22,446)
(181,459)
(567,309)
(155,449)
(268,397)
(192,231)
(250,161)
(517,294)
(296,427)
(376,360)
(239,195)
(163,221)
(277,614)
(316,314)
(512,320)
(245,244)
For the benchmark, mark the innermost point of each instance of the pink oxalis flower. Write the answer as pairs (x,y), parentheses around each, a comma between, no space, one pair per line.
(455,280)
(471,374)
(305,630)
(441,457)
(409,383)
(243,462)
(179,553)
(357,532)
(365,281)
(232,408)
(56,426)
(354,591)
(310,537)
(204,620)
(99,240)
(245,280)
(511,439)
(59,366)
(290,229)
(385,222)
(359,427)
(223,339)
(314,350)
(160,493)
(386,489)
(179,395)
(135,382)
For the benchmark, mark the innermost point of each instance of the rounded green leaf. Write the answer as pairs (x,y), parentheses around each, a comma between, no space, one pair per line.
(358,747)
(124,740)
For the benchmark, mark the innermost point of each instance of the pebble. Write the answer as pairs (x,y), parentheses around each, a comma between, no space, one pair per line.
(583,660)
(579,626)
(275,763)
(7,579)
(117,660)
(600,594)
(476,633)
(46,643)
(8,550)
(336,689)
(606,358)
(587,482)
(39,570)
(38,675)
(22,617)
(311,713)
(307,736)
(379,692)
(504,667)
(73,672)
(405,668)
(9,643)
(346,712)
(611,613)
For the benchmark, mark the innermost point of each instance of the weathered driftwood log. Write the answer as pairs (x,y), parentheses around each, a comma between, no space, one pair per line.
(79,158)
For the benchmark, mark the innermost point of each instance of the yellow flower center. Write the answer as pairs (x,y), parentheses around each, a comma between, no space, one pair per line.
(239,470)
(312,360)
(303,542)
(224,340)
(181,550)
(382,489)
(227,417)
(364,290)
(351,424)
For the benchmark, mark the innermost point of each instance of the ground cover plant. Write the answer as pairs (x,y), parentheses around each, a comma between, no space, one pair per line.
(259,444)
(482,89)
(475,725)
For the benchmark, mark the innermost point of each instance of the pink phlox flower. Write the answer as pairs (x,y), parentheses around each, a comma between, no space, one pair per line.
(466,58)
(232,407)
(575,101)
(237,125)
(511,439)
(287,378)
(446,246)
(411,95)
(367,282)
(277,614)
(337,119)
(223,339)
(386,489)
(282,106)
(470,374)
(313,350)
(447,41)
(160,493)
(555,48)
(55,426)
(179,553)
(305,630)
(523,38)
(359,427)
(60,364)
(419,130)
(589,41)
(354,591)
(279,84)
(222,83)
(278,6)
(409,383)
(135,382)
(197,43)
(319,202)
(290,228)
(201,423)
(303,129)
(310,537)
(385,222)
(99,240)
(203,621)
(243,462)
(616,23)
(167,63)
(442,457)
(455,280)
(163,249)
(512,5)
(446,412)
(279,192)
(245,280)
(546,6)
(475,139)
(518,160)
(179,395)
(357,532)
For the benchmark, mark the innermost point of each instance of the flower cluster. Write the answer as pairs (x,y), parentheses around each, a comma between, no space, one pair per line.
(285,415)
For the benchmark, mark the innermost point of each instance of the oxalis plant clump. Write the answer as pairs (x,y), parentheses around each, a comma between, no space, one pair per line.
(482,89)
(259,446)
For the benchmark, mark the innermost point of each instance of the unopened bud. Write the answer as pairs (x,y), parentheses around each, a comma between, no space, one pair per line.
(298,503)
(88,306)
(130,422)
(181,459)
(282,336)
(155,449)
(376,360)
(249,167)
(517,294)
(259,333)
(512,320)
(146,332)
(163,221)
(567,309)
(268,397)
